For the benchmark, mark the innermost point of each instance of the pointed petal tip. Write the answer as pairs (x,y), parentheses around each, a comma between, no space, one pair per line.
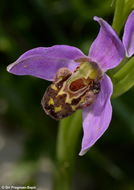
(128,54)
(100,20)
(96,18)
(83,152)
(9,67)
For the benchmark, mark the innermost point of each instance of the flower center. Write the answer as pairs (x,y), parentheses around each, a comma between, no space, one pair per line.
(72,91)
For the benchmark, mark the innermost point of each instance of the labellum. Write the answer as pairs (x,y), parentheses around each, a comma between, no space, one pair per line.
(72,91)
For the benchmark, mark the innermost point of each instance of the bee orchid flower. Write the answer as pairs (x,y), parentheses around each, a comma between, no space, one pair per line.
(80,81)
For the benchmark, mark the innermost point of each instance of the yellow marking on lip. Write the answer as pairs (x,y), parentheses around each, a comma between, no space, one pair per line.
(93,74)
(51,101)
(58,108)
(73,108)
(54,87)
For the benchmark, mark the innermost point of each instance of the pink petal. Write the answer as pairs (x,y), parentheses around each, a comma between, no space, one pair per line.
(45,62)
(128,37)
(107,49)
(97,117)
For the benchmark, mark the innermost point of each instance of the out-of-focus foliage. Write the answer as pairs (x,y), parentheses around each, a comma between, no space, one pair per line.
(32,23)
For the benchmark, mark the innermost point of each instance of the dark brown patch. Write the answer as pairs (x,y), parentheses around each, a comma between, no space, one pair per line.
(76,101)
(96,87)
(77,85)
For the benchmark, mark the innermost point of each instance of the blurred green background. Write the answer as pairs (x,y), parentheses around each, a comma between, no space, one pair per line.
(27,135)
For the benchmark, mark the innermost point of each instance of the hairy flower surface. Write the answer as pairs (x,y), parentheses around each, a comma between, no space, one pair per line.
(80,81)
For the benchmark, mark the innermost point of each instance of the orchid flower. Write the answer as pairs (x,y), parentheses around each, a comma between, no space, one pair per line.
(80,81)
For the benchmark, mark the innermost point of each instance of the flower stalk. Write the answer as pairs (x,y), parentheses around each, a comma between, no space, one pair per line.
(68,135)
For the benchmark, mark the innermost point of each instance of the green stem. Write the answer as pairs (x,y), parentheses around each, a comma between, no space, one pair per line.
(122,10)
(118,16)
(69,131)
(123,80)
